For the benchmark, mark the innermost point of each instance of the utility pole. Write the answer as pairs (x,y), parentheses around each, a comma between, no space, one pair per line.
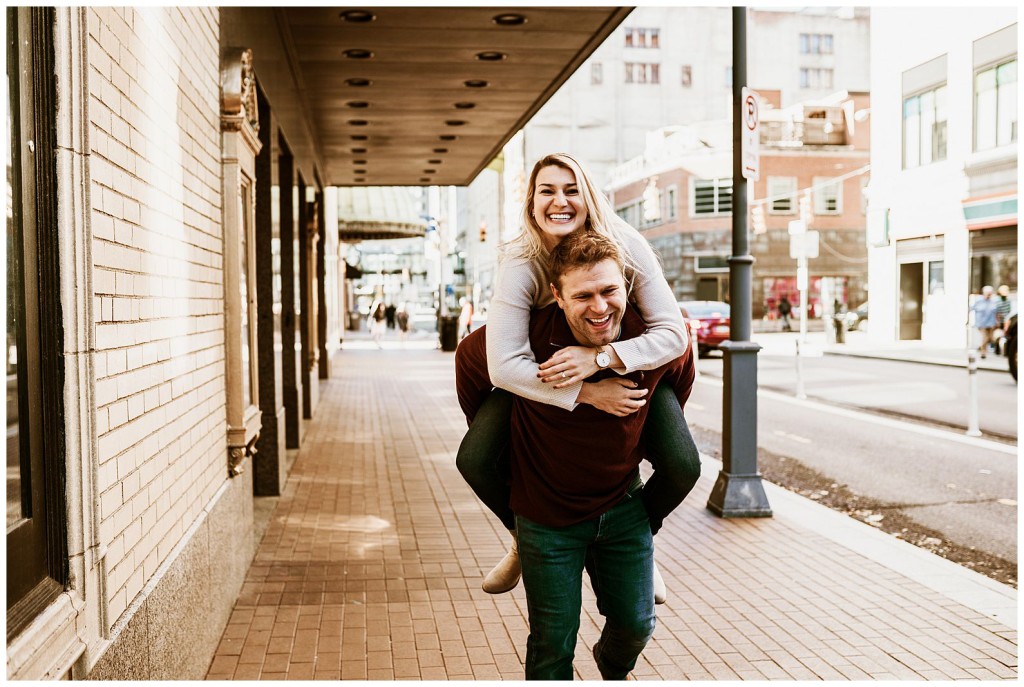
(738,492)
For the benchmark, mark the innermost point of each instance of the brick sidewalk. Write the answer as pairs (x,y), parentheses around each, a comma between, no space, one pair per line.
(371,568)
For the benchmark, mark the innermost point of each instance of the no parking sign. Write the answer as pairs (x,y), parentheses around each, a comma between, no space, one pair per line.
(750,139)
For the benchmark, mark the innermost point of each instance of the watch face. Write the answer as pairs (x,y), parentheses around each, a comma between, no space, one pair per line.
(603,359)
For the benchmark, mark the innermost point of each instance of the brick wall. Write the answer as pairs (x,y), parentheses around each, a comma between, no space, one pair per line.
(157,274)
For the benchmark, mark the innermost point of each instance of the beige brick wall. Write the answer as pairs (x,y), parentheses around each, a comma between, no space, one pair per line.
(157,274)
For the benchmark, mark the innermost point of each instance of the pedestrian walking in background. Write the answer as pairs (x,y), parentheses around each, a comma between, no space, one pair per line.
(785,307)
(402,319)
(389,315)
(562,198)
(465,317)
(1003,306)
(377,322)
(576,493)
(984,310)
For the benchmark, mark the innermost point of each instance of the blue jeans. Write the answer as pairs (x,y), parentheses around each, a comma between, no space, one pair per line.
(617,551)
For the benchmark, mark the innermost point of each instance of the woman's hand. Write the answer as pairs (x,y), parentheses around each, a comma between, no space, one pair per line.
(616,395)
(569,365)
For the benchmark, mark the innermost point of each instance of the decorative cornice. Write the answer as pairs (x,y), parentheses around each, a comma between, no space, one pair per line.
(238,90)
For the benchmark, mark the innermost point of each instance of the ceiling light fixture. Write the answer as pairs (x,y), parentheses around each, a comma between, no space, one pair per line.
(358,82)
(359,162)
(358,150)
(357,122)
(435,162)
(360,16)
(430,171)
(448,137)
(440,150)
(464,106)
(358,54)
(425,179)
(360,179)
(509,19)
(358,104)
(359,171)
(455,122)
(359,137)
(475,83)
(491,56)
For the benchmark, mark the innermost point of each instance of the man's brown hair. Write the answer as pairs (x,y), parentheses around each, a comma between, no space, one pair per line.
(581,248)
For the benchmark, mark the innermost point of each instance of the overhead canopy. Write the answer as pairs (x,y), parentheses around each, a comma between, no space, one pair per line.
(378,212)
(387,87)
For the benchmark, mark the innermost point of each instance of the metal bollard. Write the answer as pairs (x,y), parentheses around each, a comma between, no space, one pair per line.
(972,394)
(799,373)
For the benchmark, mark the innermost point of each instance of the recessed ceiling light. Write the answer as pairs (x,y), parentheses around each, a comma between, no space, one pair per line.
(475,83)
(440,150)
(448,137)
(509,20)
(357,122)
(464,106)
(358,54)
(435,162)
(360,179)
(359,150)
(358,104)
(359,171)
(357,82)
(359,137)
(362,16)
(455,122)
(424,178)
(491,56)
(430,171)
(359,162)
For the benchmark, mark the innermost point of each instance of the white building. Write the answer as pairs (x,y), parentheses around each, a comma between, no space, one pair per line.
(943,192)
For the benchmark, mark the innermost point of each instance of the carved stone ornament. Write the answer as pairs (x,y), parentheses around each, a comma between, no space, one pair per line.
(238,89)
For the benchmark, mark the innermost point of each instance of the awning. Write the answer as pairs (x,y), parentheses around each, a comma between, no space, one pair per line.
(378,212)
(993,211)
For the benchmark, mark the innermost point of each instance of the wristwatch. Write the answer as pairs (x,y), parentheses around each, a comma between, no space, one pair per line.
(603,360)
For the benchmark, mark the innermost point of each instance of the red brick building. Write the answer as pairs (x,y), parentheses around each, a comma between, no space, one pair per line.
(679,195)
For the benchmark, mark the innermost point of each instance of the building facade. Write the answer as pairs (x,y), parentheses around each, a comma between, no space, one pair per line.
(813,167)
(149,394)
(943,192)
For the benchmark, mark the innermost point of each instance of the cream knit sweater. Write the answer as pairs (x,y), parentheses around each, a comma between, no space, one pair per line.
(522,285)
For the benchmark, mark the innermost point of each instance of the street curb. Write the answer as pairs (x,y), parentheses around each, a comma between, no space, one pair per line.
(967,587)
(908,359)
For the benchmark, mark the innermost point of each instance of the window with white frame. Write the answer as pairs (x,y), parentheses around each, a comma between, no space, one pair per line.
(782,195)
(828,196)
(711,196)
(924,127)
(671,202)
(642,38)
(995,106)
(642,72)
(816,43)
(814,77)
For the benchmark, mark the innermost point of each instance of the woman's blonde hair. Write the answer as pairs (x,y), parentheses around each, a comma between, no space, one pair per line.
(601,217)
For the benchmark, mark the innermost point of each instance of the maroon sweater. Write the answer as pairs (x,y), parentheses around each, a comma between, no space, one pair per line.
(567,467)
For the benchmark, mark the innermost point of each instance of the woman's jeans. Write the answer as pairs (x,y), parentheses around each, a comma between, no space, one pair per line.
(483,455)
(617,551)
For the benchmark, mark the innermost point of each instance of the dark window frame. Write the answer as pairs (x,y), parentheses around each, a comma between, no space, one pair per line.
(37,548)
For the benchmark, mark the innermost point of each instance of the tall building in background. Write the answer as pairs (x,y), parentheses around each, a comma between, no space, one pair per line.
(942,219)
(667,66)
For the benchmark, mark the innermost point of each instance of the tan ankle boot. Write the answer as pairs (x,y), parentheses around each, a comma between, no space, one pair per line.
(660,591)
(505,575)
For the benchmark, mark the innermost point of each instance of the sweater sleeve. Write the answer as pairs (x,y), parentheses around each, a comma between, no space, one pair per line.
(666,337)
(518,289)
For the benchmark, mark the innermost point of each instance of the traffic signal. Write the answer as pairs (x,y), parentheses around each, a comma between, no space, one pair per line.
(757,219)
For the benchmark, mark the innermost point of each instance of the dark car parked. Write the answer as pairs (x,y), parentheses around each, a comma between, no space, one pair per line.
(708,321)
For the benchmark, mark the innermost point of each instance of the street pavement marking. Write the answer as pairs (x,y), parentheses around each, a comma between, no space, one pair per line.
(998,447)
(794,437)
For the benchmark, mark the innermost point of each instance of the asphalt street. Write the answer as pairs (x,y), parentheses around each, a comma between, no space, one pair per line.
(965,488)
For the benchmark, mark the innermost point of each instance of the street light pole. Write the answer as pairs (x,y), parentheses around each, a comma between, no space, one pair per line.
(738,492)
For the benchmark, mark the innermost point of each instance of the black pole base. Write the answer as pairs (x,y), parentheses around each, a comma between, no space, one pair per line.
(739,496)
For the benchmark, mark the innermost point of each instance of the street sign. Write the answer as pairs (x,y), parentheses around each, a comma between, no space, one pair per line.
(750,139)
(803,245)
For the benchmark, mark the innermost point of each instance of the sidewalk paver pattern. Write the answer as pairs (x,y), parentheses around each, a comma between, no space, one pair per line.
(371,568)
